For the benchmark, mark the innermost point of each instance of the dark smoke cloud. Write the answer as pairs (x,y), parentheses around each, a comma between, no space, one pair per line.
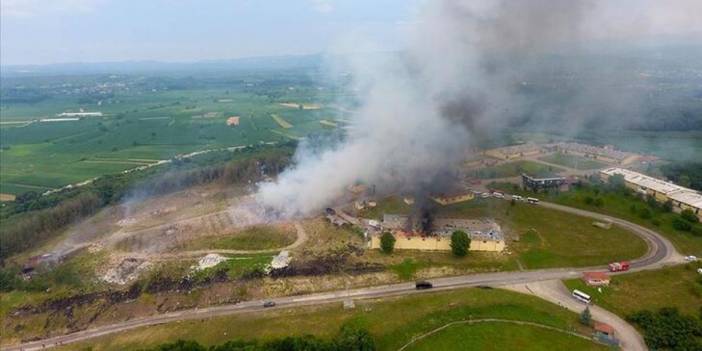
(470,69)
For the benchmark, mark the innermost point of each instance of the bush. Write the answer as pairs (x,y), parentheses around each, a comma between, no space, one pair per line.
(589,200)
(460,243)
(681,224)
(387,243)
(645,213)
(669,330)
(689,216)
(667,206)
(656,222)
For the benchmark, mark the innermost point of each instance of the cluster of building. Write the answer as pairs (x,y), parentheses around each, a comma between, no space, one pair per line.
(682,198)
(485,234)
(514,152)
(602,153)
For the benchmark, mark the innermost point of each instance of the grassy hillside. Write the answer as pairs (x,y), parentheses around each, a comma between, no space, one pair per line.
(393,322)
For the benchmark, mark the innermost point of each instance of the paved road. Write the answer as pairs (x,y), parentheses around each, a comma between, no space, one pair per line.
(554,291)
(661,252)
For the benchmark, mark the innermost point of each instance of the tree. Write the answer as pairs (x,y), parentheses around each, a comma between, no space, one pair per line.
(645,213)
(667,206)
(387,242)
(680,224)
(616,182)
(354,339)
(586,317)
(460,243)
(689,216)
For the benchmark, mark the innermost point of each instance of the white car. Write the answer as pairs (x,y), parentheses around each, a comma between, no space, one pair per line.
(691,258)
(498,195)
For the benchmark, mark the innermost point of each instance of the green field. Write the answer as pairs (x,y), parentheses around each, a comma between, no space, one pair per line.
(491,336)
(516,168)
(618,205)
(573,161)
(558,239)
(679,286)
(392,322)
(252,238)
(137,129)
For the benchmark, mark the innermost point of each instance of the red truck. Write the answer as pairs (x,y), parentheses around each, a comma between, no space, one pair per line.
(619,266)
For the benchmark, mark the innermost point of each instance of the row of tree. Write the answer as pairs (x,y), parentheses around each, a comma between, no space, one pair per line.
(348,339)
(667,329)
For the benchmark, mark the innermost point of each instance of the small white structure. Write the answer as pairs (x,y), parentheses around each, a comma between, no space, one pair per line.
(281,260)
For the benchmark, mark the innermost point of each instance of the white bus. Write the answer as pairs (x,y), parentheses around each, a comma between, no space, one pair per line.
(532,200)
(581,296)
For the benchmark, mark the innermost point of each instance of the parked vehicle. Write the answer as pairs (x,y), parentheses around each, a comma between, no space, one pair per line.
(330,211)
(532,200)
(485,195)
(269,304)
(517,198)
(423,284)
(498,195)
(619,266)
(690,258)
(581,296)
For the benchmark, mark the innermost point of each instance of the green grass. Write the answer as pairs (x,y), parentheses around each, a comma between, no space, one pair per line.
(573,161)
(559,239)
(406,269)
(502,336)
(253,238)
(281,122)
(679,286)
(514,169)
(389,205)
(619,205)
(393,322)
(153,126)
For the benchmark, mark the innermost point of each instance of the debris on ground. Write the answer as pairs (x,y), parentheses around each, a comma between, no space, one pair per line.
(126,271)
(210,260)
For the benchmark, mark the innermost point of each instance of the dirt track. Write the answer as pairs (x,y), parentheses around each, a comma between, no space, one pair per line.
(661,252)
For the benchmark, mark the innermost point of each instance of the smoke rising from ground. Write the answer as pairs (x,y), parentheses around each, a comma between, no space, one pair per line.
(466,73)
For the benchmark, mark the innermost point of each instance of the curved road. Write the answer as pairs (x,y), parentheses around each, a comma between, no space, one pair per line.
(661,252)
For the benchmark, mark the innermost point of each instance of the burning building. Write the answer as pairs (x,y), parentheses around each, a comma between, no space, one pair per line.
(411,234)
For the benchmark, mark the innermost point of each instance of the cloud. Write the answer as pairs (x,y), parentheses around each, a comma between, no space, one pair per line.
(34,8)
(322,6)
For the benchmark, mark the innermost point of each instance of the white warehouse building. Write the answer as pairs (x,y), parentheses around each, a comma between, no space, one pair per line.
(682,198)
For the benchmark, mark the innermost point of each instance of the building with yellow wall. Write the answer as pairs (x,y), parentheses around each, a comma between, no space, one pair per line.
(485,234)
(449,199)
(436,243)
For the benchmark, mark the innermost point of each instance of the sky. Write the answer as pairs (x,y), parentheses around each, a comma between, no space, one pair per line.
(59,31)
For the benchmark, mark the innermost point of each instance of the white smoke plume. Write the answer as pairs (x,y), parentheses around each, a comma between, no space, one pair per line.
(455,81)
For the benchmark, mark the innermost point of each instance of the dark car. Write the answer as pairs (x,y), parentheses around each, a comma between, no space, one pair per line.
(268,304)
(330,211)
(423,284)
